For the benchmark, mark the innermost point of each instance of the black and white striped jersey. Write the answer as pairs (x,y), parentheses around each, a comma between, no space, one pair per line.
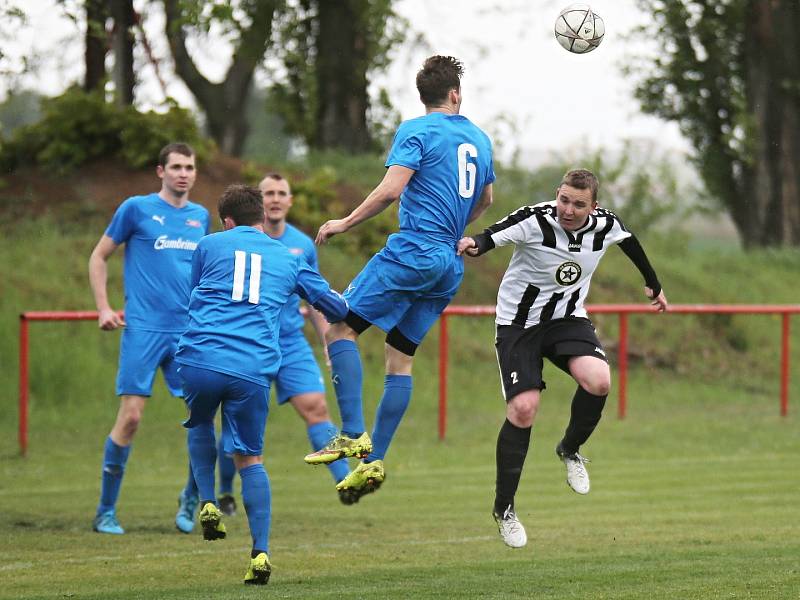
(551,268)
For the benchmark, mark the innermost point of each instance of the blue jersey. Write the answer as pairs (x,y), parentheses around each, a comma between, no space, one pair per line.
(241,280)
(452,160)
(300,245)
(159,240)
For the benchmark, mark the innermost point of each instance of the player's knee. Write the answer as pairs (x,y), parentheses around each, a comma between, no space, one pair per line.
(314,411)
(523,407)
(598,385)
(340,331)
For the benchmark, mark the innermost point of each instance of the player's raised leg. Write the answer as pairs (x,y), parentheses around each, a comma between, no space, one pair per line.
(347,377)
(594,381)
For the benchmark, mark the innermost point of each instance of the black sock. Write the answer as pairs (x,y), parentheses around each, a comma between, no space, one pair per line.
(584,417)
(254,552)
(512,447)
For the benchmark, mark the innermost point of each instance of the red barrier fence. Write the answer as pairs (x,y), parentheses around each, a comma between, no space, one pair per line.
(623,310)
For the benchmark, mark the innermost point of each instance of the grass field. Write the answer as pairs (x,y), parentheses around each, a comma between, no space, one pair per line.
(695,495)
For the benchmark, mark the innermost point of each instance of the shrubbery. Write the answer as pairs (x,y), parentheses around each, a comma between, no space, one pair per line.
(78,127)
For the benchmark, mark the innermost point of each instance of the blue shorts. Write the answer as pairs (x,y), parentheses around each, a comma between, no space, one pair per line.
(406,285)
(140,355)
(244,407)
(299,372)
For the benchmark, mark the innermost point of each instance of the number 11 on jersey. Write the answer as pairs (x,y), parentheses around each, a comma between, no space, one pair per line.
(240,258)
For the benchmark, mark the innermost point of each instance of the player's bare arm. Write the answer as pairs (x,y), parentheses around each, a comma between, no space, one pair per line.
(484,202)
(387,191)
(108,319)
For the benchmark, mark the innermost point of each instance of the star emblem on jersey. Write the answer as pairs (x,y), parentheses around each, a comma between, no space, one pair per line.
(568,273)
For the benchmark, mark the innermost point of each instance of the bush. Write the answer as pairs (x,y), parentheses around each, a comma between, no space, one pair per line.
(78,127)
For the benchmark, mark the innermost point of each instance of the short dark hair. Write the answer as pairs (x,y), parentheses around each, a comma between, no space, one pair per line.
(273,175)
(243,204)
(582,179)
(439,75)
(176,147)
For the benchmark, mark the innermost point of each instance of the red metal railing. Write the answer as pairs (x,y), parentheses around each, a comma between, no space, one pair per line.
(623,310)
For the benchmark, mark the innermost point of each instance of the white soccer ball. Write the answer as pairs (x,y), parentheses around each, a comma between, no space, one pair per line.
(579,29)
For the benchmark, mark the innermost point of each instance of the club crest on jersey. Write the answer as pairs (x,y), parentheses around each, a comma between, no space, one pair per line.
(296,251)
(193,223)
(568,273)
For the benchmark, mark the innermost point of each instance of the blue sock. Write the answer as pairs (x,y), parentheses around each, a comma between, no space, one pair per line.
(226,470)
(257,504)
(347,379)
(318,435)
(114,459)
(203,456)
(191,487)
(396,396)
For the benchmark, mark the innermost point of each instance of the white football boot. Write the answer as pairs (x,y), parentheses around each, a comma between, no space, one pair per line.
(511,530)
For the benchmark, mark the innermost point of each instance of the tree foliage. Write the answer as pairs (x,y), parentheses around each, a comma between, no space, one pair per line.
(728,72)
(327,52)
(247,24)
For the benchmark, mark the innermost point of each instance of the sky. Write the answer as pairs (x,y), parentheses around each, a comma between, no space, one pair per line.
(532,96)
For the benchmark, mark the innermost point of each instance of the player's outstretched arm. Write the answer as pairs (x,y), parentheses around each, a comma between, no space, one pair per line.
(314,289)
(634,251)
(107,319)
(387,191)
(468,246)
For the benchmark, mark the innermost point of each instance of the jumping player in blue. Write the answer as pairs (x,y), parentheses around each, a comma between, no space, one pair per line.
(299,380)
(440,166)
(241,280)
(160,232)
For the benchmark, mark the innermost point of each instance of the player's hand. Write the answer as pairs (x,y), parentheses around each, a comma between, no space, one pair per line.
(467,245)
(330,229)
(108,319)
(659,301)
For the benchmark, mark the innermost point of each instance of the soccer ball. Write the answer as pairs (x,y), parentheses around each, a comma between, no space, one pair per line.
(578,29)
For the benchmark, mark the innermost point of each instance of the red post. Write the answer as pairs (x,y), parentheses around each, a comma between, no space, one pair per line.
(23,385)
(443,350)
(622,353)
(785,366)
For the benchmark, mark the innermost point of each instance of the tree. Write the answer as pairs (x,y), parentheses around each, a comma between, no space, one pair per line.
(328,49)
(123,41)
(96,44)
(250,25)
(729,74)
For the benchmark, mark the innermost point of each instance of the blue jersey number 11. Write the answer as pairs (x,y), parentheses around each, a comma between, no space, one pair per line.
(238,277)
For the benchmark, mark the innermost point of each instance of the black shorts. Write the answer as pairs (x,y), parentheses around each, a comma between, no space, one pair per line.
(520,352)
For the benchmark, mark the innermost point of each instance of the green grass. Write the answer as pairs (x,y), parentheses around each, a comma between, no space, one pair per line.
(694,495)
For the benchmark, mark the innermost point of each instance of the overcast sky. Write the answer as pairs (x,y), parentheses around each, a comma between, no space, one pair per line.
(520,85)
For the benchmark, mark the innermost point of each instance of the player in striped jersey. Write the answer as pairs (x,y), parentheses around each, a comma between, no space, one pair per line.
(540,313)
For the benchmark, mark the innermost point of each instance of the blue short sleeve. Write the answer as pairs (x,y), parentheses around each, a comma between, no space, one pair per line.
(407,147)
(123,223)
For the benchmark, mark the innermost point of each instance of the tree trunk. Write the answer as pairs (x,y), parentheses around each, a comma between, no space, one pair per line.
(341,72)
(773,96)
(124,79)
(223,103)
(96,42)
